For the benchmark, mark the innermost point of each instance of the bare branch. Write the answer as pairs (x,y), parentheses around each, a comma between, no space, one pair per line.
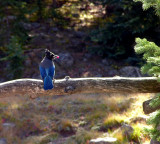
(34,87)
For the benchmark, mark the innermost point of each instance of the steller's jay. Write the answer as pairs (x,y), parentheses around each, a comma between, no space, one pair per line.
(47,69)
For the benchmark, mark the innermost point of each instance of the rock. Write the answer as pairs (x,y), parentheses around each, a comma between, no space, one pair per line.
(105,140)
(3,141)
(154,142)
(127,130)
(65,60)
(130,71)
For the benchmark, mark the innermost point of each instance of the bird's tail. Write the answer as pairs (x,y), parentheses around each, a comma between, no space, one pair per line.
(48,84)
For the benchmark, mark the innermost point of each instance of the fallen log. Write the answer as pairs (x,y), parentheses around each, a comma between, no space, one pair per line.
(34,87)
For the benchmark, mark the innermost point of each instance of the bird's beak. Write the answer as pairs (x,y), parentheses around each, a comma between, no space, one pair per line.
(56,57)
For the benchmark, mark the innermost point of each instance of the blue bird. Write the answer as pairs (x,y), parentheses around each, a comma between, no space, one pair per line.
(47,69)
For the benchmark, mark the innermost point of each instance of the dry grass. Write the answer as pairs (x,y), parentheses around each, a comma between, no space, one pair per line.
(53,118)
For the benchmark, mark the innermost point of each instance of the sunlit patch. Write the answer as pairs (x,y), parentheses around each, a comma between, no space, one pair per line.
(82,14)
(93,113)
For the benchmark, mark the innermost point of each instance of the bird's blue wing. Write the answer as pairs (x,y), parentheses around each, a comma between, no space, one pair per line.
(51,72)
(42,72)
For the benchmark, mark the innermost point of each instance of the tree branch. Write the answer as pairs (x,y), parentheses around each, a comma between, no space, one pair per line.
(34,87)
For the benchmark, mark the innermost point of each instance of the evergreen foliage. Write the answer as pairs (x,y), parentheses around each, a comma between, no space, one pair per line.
(15,57)
(13,35)
(125,20)
(151,3)
(151,54)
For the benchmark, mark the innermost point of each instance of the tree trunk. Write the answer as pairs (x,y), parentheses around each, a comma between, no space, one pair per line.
(34,87)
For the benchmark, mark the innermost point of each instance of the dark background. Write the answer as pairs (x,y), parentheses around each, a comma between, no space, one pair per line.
(93,37)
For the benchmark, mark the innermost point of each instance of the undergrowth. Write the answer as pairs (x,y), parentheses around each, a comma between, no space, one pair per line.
(73,119)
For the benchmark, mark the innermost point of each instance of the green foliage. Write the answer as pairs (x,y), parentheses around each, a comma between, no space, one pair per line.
(15,57)
(115,38)
(155,102)
(12,14)
(151,3)
(136,133)
(13,35)
(151,54)
(154,132)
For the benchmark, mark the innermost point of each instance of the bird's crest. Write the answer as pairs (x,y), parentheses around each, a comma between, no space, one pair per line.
(50,55)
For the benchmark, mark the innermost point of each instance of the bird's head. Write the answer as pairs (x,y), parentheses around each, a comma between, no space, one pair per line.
(50,55)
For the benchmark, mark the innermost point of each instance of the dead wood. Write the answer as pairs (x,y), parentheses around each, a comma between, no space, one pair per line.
(66,86)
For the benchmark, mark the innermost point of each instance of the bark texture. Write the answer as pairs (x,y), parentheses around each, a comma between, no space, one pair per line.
(34,87)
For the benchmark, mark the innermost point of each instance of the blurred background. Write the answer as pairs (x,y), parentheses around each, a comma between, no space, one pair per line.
(94,38)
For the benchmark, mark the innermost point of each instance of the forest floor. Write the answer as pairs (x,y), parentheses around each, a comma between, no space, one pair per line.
(72,119)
